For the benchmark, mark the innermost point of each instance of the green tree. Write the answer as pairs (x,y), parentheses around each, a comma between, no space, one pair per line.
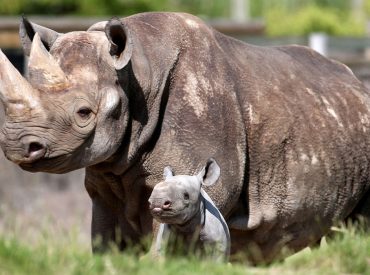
(335,17)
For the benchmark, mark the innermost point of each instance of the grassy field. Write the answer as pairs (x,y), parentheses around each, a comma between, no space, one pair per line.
(49,251)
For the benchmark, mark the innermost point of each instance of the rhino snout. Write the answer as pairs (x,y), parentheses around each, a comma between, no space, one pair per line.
(31,149)
(158,206)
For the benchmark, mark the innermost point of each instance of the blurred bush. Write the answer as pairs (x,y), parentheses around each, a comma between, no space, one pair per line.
(313,18)
(15,7)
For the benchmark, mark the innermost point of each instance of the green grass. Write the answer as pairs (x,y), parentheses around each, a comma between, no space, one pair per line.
(53,252)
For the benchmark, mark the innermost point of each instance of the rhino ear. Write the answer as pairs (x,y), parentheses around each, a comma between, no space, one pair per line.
(121,45)
(167,172)
(210,173)
(27,31)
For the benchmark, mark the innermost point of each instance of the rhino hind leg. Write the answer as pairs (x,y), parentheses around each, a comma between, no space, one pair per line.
(362,211)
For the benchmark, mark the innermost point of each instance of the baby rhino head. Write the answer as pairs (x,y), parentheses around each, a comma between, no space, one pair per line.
(177,199)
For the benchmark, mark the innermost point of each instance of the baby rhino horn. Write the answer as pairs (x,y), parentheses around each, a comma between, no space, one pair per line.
(45,73)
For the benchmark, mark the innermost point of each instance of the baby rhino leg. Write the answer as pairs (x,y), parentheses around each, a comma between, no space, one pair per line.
(160,241)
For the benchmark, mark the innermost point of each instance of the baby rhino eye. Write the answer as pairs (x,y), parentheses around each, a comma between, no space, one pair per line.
(84,112)
(186,196)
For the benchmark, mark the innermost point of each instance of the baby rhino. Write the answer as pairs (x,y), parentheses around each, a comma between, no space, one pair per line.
(188,215)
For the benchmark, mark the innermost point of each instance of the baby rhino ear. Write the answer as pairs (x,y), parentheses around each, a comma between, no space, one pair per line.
(167,172)
(210,173)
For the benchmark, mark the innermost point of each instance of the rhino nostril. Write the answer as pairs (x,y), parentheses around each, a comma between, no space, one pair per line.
(34,147)
(35,151)
(166,204)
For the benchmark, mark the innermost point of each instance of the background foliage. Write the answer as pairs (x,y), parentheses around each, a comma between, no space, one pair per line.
(282,17)
(314,18)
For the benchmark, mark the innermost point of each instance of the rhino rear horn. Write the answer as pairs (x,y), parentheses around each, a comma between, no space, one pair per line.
(44,72)
(27,31)
(15,91)
(121,44)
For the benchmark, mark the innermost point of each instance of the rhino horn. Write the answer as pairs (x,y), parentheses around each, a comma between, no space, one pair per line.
(15,92)
(44,72)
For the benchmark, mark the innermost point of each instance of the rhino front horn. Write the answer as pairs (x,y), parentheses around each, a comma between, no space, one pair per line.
(15,92)
(45,73)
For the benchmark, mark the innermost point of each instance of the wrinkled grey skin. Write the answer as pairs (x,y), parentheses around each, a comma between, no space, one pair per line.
(289,127)
(185,210)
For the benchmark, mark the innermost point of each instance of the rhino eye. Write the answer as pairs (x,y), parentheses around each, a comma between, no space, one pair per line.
(186,196)
(84,112)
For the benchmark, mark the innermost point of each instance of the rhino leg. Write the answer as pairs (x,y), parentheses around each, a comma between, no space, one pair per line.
(108,228)
(160,241)
(362,210)
(110,224)
(104,226)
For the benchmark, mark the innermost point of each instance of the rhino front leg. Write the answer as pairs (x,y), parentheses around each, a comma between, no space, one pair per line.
(160,240)
(111,227)
(111,223)
(104,226)
(216,252)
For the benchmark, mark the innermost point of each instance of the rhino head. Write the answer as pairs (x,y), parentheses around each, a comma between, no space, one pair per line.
(72,112)
(177,199)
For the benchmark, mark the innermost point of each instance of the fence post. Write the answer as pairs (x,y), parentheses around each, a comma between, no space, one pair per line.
(240,10)
(319,42)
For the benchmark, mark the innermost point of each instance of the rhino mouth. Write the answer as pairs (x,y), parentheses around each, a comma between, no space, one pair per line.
(56,165)
(61,163)
(171,216)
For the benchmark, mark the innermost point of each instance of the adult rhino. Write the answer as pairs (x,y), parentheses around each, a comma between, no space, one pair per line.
(289,127)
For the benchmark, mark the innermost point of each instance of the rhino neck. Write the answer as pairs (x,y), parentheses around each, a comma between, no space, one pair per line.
(148,86)
(195,223)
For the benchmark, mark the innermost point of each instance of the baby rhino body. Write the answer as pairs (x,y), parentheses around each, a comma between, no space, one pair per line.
(186,212)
